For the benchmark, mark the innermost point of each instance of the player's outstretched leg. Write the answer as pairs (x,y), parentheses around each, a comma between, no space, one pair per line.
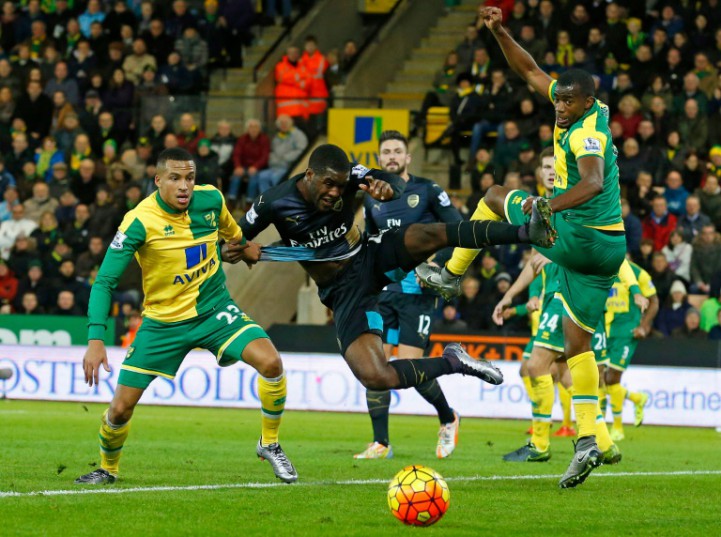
(378,403)
(114,429)
(538,231)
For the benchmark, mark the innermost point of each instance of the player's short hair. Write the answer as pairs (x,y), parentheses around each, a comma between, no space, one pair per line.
(328,157)
(547,152)
(392,135)
(174,153)
(580,78)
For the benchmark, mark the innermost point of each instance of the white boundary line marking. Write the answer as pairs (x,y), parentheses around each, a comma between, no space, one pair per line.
(110,490)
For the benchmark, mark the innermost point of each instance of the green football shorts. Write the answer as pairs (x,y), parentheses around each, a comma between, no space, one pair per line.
(589,260)
(160,348)
(621,346)
(528,348)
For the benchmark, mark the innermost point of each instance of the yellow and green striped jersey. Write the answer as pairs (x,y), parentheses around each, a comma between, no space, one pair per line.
(620,307)
(589,136)
(178,255)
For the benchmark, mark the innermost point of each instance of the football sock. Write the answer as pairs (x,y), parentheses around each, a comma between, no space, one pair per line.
(528,385)
(478,234)
(432,392)
(565,396)
(416,371)
(603,399)
(634,397)
(543,396)
(378,403)
(603,439)
(463,257)
(112,437)
(618,396)
(585,391)
(272,393)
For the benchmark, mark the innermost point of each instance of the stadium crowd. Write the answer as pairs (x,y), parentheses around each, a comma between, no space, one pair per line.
(658,67)
(77,154)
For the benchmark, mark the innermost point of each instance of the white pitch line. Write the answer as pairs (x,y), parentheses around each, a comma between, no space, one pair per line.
(110,490)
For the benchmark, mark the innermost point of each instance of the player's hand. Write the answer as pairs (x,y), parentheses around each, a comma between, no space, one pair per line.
(250,254)
(508,313)
(533,304)
(231,252)
(528,204)
(538,261)
(498,311)
(641,301)
(377,189)
(640,332)
(492,17)
(94,356)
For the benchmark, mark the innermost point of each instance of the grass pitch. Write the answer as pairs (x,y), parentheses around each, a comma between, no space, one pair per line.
(193,471)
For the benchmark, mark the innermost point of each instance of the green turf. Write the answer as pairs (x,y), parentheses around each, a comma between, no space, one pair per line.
(44,446)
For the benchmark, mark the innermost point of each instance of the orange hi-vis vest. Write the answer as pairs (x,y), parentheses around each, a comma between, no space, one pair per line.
(316,66)
(292,83)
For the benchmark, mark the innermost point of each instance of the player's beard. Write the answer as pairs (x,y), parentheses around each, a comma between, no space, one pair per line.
(400,171)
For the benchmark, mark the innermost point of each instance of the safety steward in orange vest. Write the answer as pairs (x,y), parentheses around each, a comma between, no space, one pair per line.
(316,65)
(292,83)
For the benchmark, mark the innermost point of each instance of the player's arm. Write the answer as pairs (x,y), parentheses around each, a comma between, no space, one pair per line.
(628,278)
(522,282)
(518,59)
(234,246)
(649,292)
(590,168)
(258,217)
(129,237)
(379,185)
(371,225)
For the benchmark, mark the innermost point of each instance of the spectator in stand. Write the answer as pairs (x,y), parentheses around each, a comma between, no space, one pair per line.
(93,14)
(47,235)
(678,253)
(691,327)
(71,36)
(68,129)
(480,69)
(194,51)
(633,227)
(250,155)
(449,322)
(77,232)
(189,134)
(134,322)
(315,65)
(465,109)
(65,304)
(693,127)
(673,312)
(23,63)
(21,254)
(66,211)
(705,260)
(104,215)
(18,156)
(11,229)
(135,64)
(116,18)
(292,85)
(287,146)
(92,258)
(630,162)
(6,178)
(85,183)
(710,197)
(38,40)
(691,223)
(714,164)
(119,99)
(715,332)
(156,133)
(223,143)
(691,90)
(179,19)
(208,171)
(662,275)
(8,284)
(629,115)
(236,18)
(40,202)
(471,42)
(176,76)
(445,83)
(29,305)
(8,78)
(496,103)
(36,109)
(10,199)
(333,75)
(34,282)
(271,11)
(709,312)
(214,31)
(62,82)
(470,304)
(659,224)
(158,42)
(675,194)
(348,57)
(61,108)
(80,151)
(46,156)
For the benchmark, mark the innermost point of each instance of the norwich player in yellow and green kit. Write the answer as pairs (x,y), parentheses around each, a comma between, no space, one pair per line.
(174,234)
(626,323)
(586,211)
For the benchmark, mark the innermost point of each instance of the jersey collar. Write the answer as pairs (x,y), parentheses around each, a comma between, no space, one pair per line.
(167,208)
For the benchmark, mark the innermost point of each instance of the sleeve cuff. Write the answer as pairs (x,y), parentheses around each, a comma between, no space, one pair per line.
(96,331)
(635,290)
(521,310)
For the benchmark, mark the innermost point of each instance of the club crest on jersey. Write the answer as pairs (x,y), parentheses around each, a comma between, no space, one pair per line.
(210,218)
(413,200)
(118,240)
(592,144)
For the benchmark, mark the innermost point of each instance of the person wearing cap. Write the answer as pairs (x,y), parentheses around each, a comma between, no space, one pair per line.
(691,328)
(208,171)
(673,312)
(714,164)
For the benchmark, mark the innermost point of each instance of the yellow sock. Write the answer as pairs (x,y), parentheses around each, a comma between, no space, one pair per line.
(528,385)
(112,438)
(543,404)
(585,392)
(565,396)
(272,393)
(603,439)
(634,397)
(602,400)
(463,257)
(618,396)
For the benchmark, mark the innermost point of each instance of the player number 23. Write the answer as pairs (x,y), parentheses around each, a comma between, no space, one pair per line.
(229,317)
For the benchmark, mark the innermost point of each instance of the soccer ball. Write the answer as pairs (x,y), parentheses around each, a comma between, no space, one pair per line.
(418,496)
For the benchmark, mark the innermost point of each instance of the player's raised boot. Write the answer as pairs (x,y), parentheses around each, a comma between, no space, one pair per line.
(566,431)
(96,477)
(585,459)
(448,437)
(639,407)
(612,455)
(528,453)
(375,450)
(439,279)
(540,229)
(616,434)
(274,454)
(463,363)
